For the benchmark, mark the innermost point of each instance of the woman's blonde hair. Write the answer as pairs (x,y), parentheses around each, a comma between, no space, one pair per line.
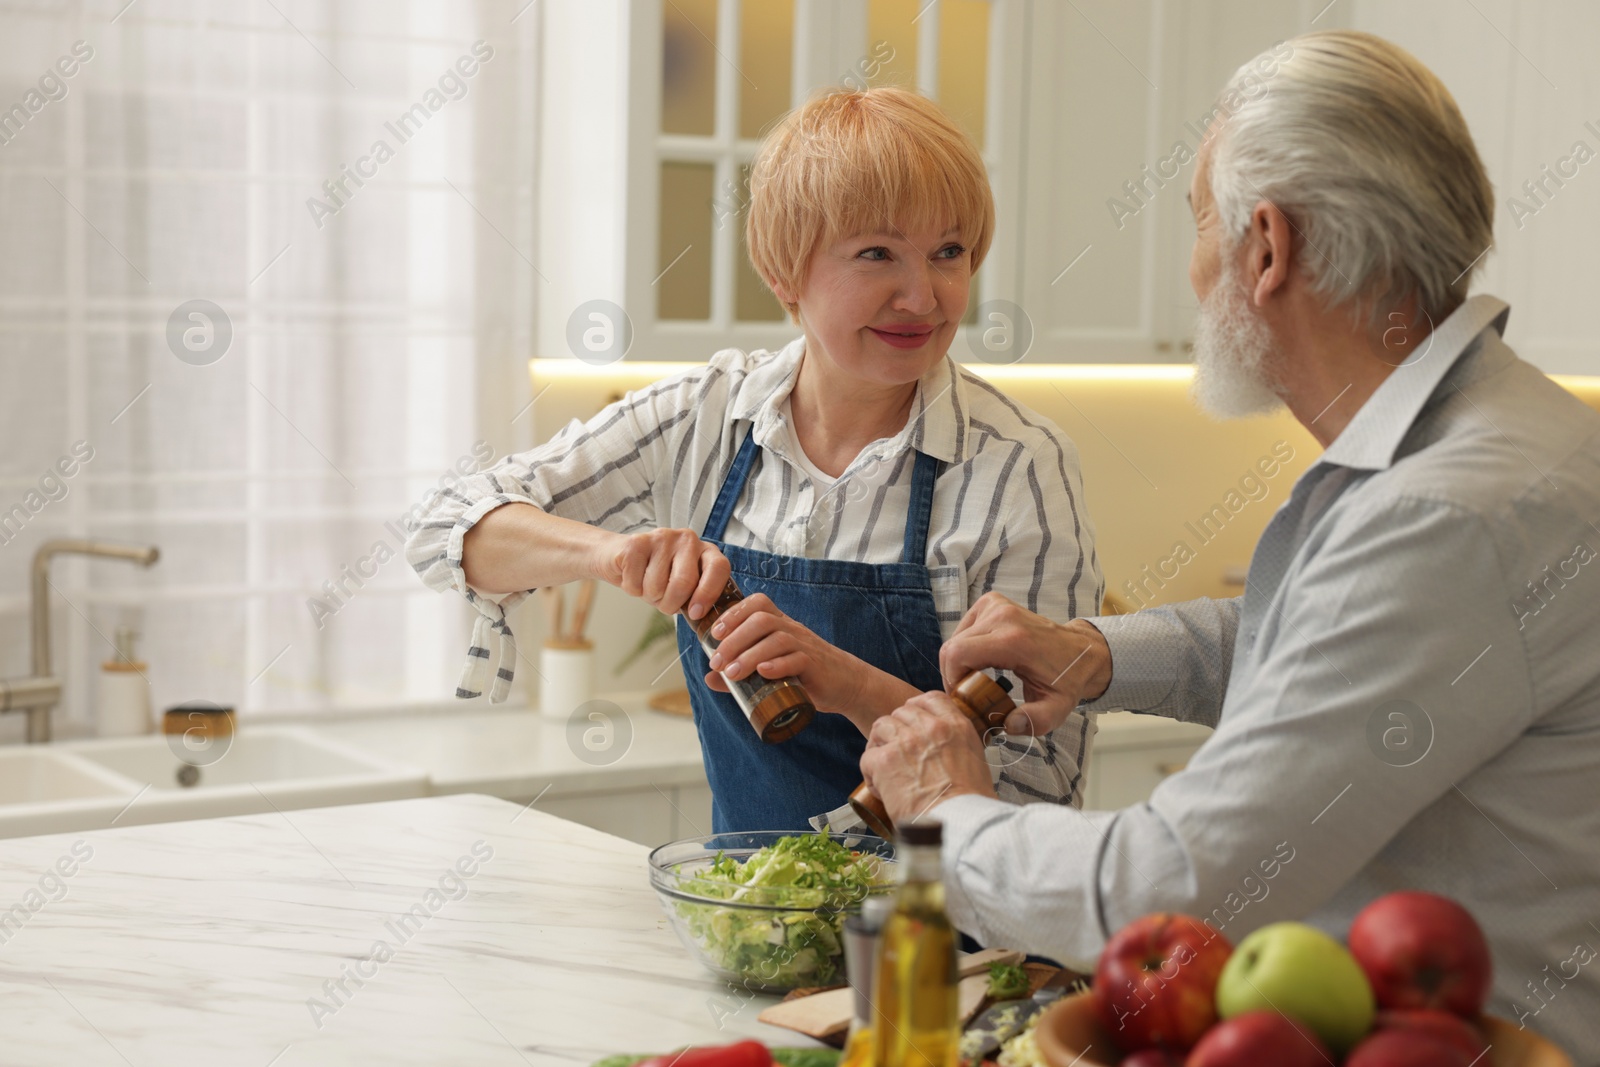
(853,162)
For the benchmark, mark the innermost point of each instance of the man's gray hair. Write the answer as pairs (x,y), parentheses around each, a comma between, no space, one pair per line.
(1365,151)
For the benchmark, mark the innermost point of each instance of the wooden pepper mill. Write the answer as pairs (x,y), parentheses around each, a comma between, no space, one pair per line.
(984,701)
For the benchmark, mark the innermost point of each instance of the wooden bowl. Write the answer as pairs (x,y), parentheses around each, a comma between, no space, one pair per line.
(1069,1035)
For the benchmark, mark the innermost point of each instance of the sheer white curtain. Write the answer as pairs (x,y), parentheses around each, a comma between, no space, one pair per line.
(349,185)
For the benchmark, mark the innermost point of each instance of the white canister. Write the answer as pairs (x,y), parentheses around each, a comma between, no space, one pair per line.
(124,700)
(566,677)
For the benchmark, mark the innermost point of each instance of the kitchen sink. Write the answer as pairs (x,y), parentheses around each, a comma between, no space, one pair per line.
(87,785)
(265,768)
(260,757)
(37,775)
(43,789)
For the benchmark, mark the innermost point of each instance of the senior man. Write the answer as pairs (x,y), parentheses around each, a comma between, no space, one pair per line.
(1408,693)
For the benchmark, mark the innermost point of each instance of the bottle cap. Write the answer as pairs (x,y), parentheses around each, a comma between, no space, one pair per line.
(922,833)
(870,919)
(875,910)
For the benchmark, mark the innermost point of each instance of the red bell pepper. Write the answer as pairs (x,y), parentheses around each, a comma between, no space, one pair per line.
(739,1054)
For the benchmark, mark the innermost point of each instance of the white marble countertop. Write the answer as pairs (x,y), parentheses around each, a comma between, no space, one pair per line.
(206,942)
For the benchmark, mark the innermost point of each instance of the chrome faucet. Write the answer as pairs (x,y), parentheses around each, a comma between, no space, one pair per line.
(39,694)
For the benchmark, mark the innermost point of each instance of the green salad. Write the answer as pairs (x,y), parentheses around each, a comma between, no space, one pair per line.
(814,875)
(1008,982)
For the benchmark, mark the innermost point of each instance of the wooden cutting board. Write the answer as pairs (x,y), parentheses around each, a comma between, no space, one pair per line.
(672,702)
(826,1015)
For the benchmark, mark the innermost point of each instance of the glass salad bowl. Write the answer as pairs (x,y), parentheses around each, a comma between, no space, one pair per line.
(765,910)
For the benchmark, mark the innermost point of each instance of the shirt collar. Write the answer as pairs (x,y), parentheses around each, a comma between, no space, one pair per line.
(935,426)
(767,385)
(1371,439)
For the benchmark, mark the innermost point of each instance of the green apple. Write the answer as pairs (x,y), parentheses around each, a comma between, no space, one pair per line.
(1299,971)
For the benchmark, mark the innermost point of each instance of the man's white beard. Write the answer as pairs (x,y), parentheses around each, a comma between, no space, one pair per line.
(1231,348)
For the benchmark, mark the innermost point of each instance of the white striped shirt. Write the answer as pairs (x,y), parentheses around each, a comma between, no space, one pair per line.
(1008,509)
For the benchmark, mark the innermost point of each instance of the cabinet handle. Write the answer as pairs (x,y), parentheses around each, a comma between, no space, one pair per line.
(1167,770)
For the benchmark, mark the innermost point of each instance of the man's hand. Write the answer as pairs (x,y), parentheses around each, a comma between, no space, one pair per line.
(671,570)
(924,753)
(1059,665)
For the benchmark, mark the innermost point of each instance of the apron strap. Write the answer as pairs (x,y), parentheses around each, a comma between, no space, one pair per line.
(732,486)
(919,512)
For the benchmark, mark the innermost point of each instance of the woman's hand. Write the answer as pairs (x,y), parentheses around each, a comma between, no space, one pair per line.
(1059,665)
(924,753)
(671,570)
(756,638)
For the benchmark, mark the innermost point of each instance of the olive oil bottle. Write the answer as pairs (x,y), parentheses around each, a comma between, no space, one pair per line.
(915,1023)
(861,932)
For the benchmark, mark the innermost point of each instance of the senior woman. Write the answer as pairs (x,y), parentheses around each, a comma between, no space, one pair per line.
(861,488)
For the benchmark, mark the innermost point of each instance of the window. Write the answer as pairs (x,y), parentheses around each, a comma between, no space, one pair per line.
(181,163)
(712,118)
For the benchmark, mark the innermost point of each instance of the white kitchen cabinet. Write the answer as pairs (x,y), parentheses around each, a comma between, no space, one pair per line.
(693,811)
(648,816)
(1130,756)
(1522,75)
(1133,753)
(1117,95)
(1095,111)
(1113,89)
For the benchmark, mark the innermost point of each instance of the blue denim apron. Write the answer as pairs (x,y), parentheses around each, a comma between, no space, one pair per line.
(881,613)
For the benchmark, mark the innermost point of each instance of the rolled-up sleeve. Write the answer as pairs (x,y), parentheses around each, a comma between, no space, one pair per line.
(1296,781)
(603,472)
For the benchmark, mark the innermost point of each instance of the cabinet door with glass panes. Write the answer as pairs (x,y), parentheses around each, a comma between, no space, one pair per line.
(706,79)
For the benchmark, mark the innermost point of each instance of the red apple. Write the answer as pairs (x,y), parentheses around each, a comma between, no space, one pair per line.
(1453,1030)
(1421,950)
(1155,986)
(1153,1057)
(1406,1048)
(1257,1038)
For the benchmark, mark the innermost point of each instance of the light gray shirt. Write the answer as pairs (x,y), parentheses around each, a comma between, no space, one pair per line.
(1407,696)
